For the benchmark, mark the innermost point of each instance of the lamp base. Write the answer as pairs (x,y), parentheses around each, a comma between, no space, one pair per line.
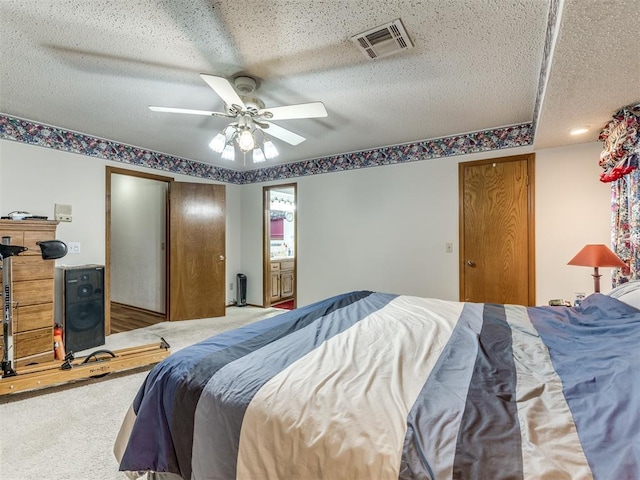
(596,280)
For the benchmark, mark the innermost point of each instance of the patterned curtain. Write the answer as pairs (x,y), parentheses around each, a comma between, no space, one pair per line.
(625,225)
(620,159)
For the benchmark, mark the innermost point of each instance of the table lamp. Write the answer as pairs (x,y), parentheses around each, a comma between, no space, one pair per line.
(596,256)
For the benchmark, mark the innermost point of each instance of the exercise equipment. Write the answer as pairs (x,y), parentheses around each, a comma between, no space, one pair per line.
(95,365)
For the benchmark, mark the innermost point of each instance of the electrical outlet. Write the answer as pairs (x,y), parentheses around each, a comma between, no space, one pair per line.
(231,286)
(449,247)
(74,247)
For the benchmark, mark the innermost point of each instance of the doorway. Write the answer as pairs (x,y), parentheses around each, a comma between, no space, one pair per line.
(497,250)
(183,278)
(136,250)
(280,246)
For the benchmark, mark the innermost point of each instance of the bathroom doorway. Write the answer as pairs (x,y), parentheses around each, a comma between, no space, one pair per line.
(280,248)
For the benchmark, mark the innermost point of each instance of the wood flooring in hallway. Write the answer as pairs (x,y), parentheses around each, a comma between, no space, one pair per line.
(125,318)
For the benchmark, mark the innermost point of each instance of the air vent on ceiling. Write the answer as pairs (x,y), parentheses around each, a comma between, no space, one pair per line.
(383,40)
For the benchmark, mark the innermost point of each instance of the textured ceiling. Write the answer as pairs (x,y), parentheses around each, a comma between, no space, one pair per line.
(93,66)
(594,72)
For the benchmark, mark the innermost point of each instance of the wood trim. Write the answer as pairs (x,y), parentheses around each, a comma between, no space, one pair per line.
(531,163)
(266,249)
(107,267)
(530,159)
(107,252)
(266,245)
(461,272)
(167,252)
(146,311)
(135,173)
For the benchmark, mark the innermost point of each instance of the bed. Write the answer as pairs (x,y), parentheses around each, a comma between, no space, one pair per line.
(368,385)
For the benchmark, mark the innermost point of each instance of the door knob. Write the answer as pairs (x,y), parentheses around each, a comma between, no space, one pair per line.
(471,264)
(221,257)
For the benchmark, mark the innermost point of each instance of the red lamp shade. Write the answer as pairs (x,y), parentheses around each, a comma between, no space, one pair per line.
(596,256)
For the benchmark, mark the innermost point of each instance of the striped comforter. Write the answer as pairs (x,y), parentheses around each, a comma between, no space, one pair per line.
(377,386)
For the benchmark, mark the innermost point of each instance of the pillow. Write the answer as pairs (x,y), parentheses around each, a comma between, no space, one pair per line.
(628,292)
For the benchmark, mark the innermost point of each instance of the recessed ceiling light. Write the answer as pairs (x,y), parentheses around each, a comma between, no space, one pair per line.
(579,130)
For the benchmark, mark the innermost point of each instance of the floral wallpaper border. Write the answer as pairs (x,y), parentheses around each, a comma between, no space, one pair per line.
(26,131)
(486,140)
(48,136)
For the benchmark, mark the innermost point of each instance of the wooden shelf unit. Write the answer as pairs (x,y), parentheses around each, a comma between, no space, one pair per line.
(32,290)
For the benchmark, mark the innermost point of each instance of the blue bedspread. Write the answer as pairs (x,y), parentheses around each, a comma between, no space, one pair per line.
(373,386)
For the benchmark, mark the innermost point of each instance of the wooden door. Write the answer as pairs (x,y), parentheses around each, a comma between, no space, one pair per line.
(197,250)
(497,230)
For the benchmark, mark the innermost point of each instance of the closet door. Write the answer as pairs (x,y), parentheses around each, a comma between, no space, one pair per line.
(497,263)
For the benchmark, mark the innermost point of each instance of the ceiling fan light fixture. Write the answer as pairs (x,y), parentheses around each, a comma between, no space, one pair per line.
(258,156)
(270,150)
(252,116)
(245,140)
(229,152)
(218,143)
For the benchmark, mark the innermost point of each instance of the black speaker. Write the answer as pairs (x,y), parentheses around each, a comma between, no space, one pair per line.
(80,306)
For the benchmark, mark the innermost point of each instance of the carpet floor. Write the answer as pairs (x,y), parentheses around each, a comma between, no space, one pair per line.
(67,432)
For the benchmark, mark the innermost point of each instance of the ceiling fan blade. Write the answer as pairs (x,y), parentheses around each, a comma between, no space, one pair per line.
(283,134)
(302,110)
(224,89)
(188,111)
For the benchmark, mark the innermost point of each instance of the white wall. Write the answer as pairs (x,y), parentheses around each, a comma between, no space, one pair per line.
(382,228)
(35,179)
(573,208)
(138,228)
(251,251)
(385,228)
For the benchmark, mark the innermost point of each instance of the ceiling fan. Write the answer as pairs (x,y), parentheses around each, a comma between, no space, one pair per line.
(252,118)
